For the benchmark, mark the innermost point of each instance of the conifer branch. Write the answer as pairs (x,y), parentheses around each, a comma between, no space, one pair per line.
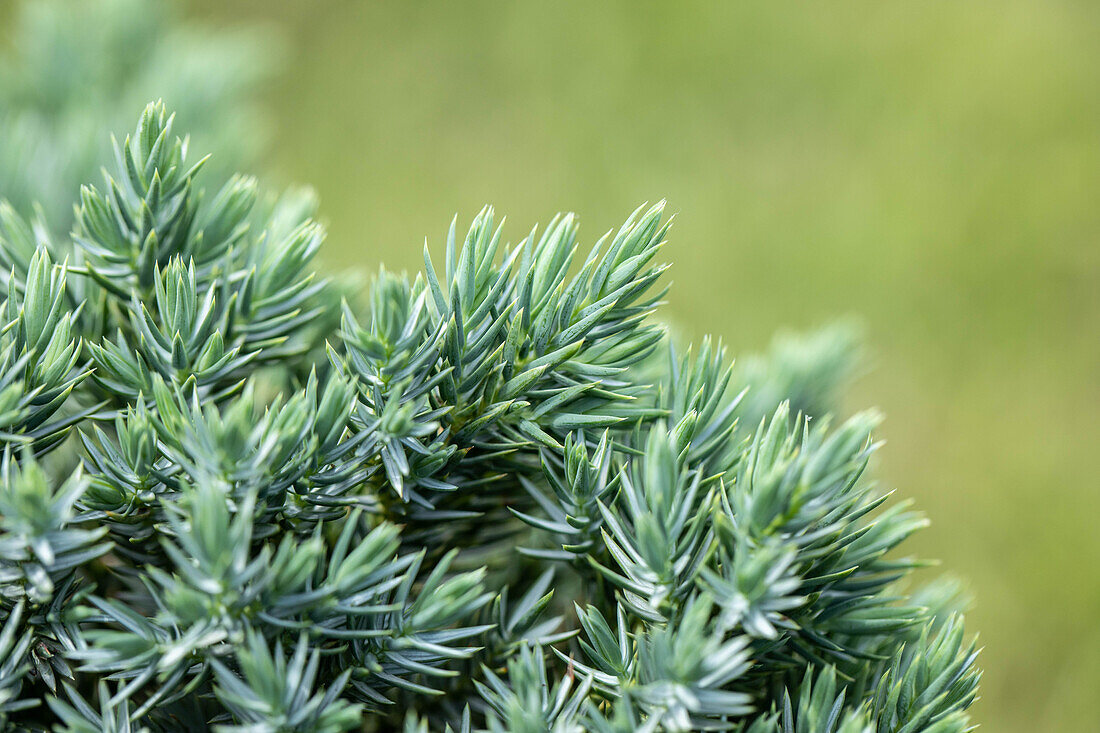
(498,499)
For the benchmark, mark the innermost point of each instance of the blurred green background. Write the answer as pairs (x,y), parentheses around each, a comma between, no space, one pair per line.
(930,168)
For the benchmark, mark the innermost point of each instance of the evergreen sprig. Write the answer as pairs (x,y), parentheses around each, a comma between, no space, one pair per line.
(498,498)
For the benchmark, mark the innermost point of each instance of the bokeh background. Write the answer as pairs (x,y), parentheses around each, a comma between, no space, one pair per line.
(931,168)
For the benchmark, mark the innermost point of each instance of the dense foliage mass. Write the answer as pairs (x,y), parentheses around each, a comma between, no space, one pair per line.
(495,497)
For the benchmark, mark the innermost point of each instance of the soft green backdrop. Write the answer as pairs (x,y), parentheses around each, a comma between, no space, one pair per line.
(931,167)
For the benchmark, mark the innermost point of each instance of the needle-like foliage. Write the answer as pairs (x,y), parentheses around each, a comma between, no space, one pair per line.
(496,499)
